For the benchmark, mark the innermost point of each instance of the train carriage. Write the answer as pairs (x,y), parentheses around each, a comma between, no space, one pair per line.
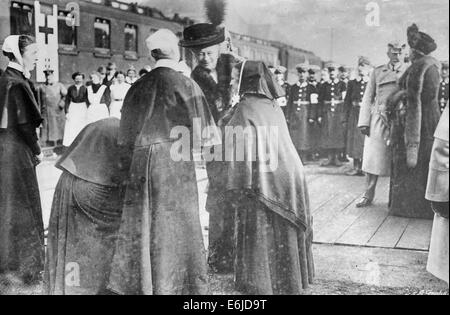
(82,35)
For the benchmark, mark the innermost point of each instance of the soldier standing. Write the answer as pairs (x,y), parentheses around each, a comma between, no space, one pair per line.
(314,85)
(353,99)
(280,75)
(377,152)
(301,114)
(331,97)
(344,76)
(443,88)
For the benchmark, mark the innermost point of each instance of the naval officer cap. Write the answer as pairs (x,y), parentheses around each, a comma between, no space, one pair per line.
(302,67)
(363,61)
(313,69)
(280,70)
(332,66)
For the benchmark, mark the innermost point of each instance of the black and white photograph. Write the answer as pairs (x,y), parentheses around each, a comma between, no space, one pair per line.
(243,149)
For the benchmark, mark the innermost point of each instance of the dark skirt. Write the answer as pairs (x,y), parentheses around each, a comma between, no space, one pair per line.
(21,224)
(304,134)
(82,232)
(273,257)
(355,139)
(53,125)
(333,129)
(160,248)
(221,220)
(408,186)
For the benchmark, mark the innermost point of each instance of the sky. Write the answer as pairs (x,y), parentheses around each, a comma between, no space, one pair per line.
(332,29)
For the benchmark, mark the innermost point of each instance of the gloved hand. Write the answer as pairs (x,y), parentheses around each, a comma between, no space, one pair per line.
(365,130)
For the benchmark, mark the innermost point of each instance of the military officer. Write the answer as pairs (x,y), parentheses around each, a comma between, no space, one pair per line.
(377,151)
(312,78)
(301,113)
(443,88)
(331,97)
(280,75)
(353,99)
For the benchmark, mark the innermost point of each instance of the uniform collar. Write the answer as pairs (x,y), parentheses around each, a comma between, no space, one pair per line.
(363,79)
(302,84)
(395,67)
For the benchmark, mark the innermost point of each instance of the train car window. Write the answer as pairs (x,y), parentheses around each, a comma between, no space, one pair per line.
(102,34)
(131,41)
(22,19)
(67,31)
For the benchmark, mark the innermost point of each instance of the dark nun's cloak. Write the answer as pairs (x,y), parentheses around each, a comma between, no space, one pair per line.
(85,214)
(21,225)
(222,220)
(273,220)
(160,249)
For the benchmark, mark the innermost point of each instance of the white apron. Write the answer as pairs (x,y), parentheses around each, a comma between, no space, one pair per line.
(96,110)
(76,120)
(118,93)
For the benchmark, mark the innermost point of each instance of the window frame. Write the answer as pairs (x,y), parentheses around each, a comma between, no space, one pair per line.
(21,5)
(130,54)
(99,51)
(65,48)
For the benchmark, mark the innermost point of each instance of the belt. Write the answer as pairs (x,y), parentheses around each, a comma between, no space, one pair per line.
(357,104)
(303,103)
(335,102)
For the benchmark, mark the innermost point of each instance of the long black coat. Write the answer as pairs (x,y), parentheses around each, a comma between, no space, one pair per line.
(412,148)
(353,99)
(21,224)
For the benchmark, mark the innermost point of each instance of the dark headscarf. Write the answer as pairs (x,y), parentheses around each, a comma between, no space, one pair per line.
(257,79)
(94,155)
(420,41)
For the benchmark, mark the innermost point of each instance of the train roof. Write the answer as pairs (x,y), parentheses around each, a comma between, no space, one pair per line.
(142,10)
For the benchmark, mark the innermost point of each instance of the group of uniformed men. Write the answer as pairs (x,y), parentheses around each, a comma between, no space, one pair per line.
(335,116)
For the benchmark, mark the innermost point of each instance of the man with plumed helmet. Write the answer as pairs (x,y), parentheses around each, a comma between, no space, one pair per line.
(353,100)
(415,116)
(373,122)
